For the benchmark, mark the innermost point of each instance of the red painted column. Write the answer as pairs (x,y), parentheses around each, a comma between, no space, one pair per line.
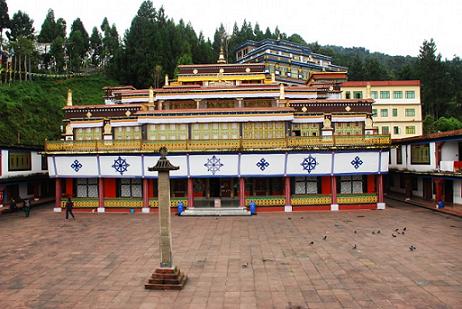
(58,193)
(241,192)
(287,190)
(145,193)
(380,188)
(334,189)
(190,193)
(438,190)
(100,193)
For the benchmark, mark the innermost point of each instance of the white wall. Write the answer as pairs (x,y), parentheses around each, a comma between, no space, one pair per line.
(450,151)
(36,165)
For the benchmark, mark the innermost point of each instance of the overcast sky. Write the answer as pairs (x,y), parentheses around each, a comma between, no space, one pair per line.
(395,27)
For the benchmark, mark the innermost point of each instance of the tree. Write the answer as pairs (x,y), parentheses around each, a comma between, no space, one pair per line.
(61,28)
(76,50)
(373,70)
(4,20)
(57,53)
(77,25)
(21,25)
(96,47)
(48,30)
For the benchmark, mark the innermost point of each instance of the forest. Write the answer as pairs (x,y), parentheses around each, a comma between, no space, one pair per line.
(154,45)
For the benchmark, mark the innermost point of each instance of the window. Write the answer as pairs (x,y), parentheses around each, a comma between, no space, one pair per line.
(87,134)
(374,95)
(395,130)
(374,112)
(357,94)
(19,161)
(384,113)
(385,130)
(127,133)
(306,185)
(397,94)
(420,154)
(399,155)
(395,112)
(351,184)
(87,187)
(410,129)
(410,94)
(347,95)
(384,94)
(130,187)
(410,112)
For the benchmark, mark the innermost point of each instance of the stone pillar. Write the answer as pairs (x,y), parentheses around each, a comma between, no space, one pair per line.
(190,193)
(167,276)
(100,196)
(334,204)
(57,195)
(288,204)
(380,200)
(145,208)
(241,192)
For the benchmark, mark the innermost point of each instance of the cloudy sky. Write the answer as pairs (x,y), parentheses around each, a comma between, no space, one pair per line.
(395,27)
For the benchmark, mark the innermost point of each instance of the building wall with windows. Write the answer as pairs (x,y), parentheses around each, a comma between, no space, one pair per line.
(397,109)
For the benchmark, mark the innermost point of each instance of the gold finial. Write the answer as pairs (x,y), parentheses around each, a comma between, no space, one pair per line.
(166,80)
(221,57)
(281,92)
(69,97)
(151,95)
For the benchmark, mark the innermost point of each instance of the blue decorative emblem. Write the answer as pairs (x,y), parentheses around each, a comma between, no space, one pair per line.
(76,165)
(309,163)
(357,162)
(213,165)
(262,164)
(120,165)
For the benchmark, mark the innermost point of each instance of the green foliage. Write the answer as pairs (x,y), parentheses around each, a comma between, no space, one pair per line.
(4,18)
(33,110)
(96,46)
(57,52)
(48,29)
(21,25)
(448,124)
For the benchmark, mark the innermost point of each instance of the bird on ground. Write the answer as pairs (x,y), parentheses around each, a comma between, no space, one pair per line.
(373,232)
(311,242)
(402,233)
(289,218)
(412,248)
(245,265)
(354,247)
(378,232)
(404,228)
(396,230)
(356,232)
(393,235)
(325,237)
(301,217)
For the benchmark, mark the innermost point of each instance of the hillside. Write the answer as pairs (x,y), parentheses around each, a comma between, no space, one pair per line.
(30,112)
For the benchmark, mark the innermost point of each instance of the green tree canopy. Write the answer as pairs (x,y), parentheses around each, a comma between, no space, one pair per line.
(48,30)
(21,25)
(4,19)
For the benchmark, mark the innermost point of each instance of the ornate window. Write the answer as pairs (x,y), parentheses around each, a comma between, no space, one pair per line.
(87,187)
(130,187)
(19,161)
(351,184)
(307,185)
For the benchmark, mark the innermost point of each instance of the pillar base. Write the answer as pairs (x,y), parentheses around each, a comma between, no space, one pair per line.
(101,210)
(57,209)
(145,210)
(333,207)
(166,279)
(380,205)
(288,208)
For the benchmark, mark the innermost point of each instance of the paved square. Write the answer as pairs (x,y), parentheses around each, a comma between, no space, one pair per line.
(266,261)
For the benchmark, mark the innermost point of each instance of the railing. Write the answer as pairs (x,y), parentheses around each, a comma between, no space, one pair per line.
(82,202)
(223,144)
(365,198)
(123,202)
(276,200)
(312,199)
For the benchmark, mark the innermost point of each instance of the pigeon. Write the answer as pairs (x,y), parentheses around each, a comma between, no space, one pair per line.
(301,217)
(244,265)
(402,233)
(393,235)
(325,237)
(356,232)
(311,242)
(412,248)
(404,228)
(378,232)
(373,232)
(396,230)
(354,247)
(289,218)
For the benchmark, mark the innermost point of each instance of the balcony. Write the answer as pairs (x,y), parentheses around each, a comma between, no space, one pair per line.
(288,143)
(451,166)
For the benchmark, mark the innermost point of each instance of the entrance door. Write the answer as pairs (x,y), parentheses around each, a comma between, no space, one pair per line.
(427,189)
(226,187)
(214,187)
(448,191)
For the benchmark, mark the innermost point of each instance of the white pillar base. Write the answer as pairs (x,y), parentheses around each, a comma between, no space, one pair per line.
(145,210)
(333,207)
(288,208)
(101,210)
(57,209)
(380,205)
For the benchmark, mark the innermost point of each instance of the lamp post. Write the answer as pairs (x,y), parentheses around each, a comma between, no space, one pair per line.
(167,276)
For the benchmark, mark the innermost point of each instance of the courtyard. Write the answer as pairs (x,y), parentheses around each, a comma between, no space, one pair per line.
(273,260)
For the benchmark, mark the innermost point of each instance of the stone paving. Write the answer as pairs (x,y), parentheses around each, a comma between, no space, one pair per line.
(266,261)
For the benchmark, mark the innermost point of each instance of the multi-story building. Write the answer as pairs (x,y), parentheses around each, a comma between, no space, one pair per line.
(24,175)
(237,137)
(291,63)
(397,109)
(428,167)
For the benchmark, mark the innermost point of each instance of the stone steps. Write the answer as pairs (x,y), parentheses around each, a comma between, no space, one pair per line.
(219,211)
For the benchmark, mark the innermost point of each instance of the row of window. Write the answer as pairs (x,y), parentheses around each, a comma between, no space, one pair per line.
(420,154)
(408,112)
(22,161)
(410,94)
(396,130)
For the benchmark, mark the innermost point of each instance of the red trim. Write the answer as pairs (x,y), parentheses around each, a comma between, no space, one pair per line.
(326,186)
(381,83)
(69,187)
(287,189)
(241,192)
(370,183)
(109,187)
(151,188)
(100,192)
(145,193)
(334,189)
(190,193)
(380,188)
(58,193)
